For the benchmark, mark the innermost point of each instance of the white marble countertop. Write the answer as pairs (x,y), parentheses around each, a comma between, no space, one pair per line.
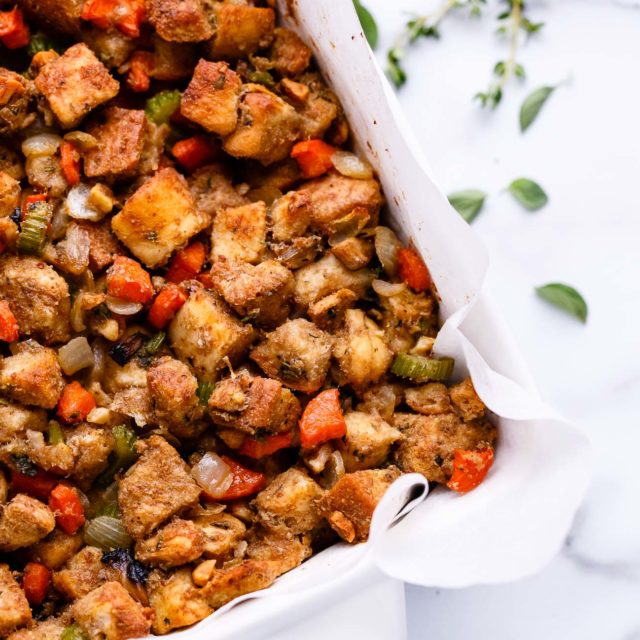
(585,151)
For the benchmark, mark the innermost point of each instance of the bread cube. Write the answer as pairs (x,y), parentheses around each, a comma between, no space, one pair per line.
(23,522)
(14,101)
(354,253)
(103,245)
(9,194)
(213,190)
(290,216)
(222,533)
(48,629)
(279,547)
(239,234)
(246,577)
(289,55)
(57,548)
(14,608)
(175,544)
(62,16)
(328,312)
(83,573)
(91,446)
(466,400)
(181,21)
(240,29)
(15,420)
(44,173)
(429,399)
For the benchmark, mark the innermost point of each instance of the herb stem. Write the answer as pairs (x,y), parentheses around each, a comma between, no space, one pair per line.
(515,25)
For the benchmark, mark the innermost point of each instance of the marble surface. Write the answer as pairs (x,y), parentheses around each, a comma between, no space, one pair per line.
(585,151)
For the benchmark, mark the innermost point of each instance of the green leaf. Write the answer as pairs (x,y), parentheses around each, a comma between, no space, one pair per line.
(531,106)
(528,193)
(394,70)
(564,297)
(368,23)
(468,202)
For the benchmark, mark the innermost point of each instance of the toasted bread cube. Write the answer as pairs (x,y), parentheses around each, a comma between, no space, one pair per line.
(62,16)
(290,502)
(350,504)
(175,600)
(110,613)
(297,353)
(32,376)
(261,293)
(222,533)
(50,457)
(319,110)
(284,549)
(267,127)
(103,245)
(430,399)
(48,629)
(181,21)
(290,216)
(240,29)
(158,486)
(466,400)
(112,47)
(212,97)
(429,442)
(23,522)
(45,174)
(91,446)
(83,573)
(328,312)
(38,297)
(204,332)
(15,420)
(175,544)
(14,608)
(9,194)
(11,163)
(57,548)
(14,101)
(368,441)
(158,218)
(289,54)
(213,191)
(354,253)
(239,234)
(75,83)
(173,60)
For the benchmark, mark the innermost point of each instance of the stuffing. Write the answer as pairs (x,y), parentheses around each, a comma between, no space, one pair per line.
(290,216)
(181,21)
(62,16)
(290,503)
(4,487)
(361,349)
(261,293)
(297,253)
(280,175)
(103,245)
(297,353)
(32,376)
(213,190)
(112,47)
(158,486)
(240,29)
(326,276)
(57,458)
(429,442)
(286,550)
(172,60)
(9,194)
(176,601)
(354,253)
(49,629)
(239,233)
(83,573)
(132,376)
(289,55)
(350,504)
(135,403)
(57,548)
(11,163)
(45,174)
(110,613)
(430,399)
(158,218)
(74,84)
(91,446)
(212,97)
(205,333)
(328,312)
(16,420)
(466,400)
(175,544)
(14,608)
(23,522)
(38,297)
(14,101)
(222,533)
(368,441)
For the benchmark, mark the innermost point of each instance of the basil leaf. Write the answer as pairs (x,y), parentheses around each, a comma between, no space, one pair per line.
(528,193)
(468,202)
(531,106)
(368,24)
(564,297)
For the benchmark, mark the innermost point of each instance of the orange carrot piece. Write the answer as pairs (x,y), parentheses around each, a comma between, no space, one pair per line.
(127,280)
(313,157)
(413,270)
(322,420)
(70,162)
(193,153)
(140,69)
(75,404)
(39,485)
(14,33)
(261,447)
(124,15)
(469,469)
(187,263)
(245,481)
(35,582)
(166,305)
(65,503)
(9,329)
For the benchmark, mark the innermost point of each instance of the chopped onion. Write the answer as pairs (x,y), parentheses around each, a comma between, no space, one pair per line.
(350,165)
(77,204)
(73,251)
(388,289)
(99,415)
(59,223)
(213,474)
(107,533)
(85,141)
(42,144)
(333,471)
(75,355)
(387,248)
(122,307)
(317,459)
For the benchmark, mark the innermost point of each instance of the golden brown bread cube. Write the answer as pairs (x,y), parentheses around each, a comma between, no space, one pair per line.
(328,312)
(354,253)
(350,504)
(466,400)
(23,522)
(112,47)
(290,216)
(14,608)
(239,234)
(51,457)
(318,111)
(297,253)
(267,127)
(74,84)
(173,60)
(430,399)
(103,245)
(158,486)
(9,194)
(45,174)
(38,297)
(291,502)
(158,218)
(16,420)
(175,544)
(261,293)
(222,533)
(179,20)
(204,332)
(48,629)
(297,354)
(240,29)
(289,54)
(57,548)
(83,573)
(279,547)
(62,16)
(110,613)
(32,376)
(429,442)
(212,97)
(11,162)
(14,101)
(213,191)
(91,446)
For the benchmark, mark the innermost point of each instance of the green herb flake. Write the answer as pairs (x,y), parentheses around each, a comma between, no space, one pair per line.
(468,202)
(532,105)
(204,391)
(564,297)
(368,23)
(528,193)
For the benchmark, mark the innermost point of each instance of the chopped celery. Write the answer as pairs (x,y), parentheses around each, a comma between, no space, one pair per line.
(40,42)
(73,632)
(160,107)
(123,454)
(262,77)
(204,390)
(153,345)
(33,233)
(107,532)
(56,436)
(421,369)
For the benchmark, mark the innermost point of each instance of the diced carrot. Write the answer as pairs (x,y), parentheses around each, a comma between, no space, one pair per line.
(125,15)
(260,447)
(322,420)
(39,485)
(166,305)
(65,503)
(245,482)
(187,263)
(140,69)
(127,280)
(70,162)
(75,403)
(29,200)
(193,153)
(206,279)
(14,33)
(35,582)
(313,157)
(9,329)
(413,270)
(469,469)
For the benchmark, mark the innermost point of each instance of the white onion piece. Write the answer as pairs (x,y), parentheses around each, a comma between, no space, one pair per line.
(84,140)
(73,251)
(107,533)
(99,415)
(122,307)
(78,207)
(387,248)
(213,474)
(42,144)
(334,470)
(348,164)
(75,355)
(59,223)
(388,289)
